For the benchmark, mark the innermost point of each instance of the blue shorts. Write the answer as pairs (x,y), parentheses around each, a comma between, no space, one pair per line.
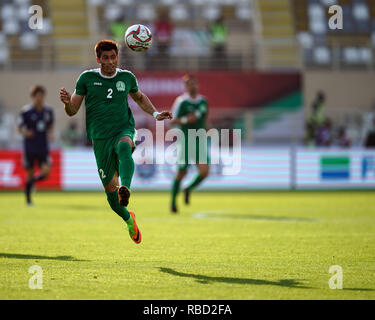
(29,159)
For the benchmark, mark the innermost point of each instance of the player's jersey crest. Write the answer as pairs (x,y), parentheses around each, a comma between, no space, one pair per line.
(120,85)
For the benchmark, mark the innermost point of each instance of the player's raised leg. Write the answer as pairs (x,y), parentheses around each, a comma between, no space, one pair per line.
(124,150)
(111,189)
(176,187)
(45,169)
(31,179)
(203,170)
(29,185)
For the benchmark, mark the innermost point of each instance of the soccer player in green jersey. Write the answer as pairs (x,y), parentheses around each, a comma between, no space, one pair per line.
(190,112)
(110,124)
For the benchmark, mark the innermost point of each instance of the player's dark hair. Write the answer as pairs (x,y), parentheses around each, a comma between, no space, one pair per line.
(188,77)
(105,45)
(34,90)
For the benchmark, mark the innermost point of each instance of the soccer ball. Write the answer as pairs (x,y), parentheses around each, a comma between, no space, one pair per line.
(138,38)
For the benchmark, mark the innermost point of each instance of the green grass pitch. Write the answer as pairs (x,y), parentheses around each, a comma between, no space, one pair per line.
(255,245)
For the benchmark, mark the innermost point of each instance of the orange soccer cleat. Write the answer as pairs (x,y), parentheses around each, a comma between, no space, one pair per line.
(134,232)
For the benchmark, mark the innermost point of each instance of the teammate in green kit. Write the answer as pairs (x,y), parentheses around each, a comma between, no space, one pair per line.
(190,112)
(110,124)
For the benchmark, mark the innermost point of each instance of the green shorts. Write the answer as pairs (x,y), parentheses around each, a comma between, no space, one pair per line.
(106,154)
(186,153)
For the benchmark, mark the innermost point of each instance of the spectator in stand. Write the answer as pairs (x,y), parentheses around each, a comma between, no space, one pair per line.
(342,139)
(163,37)
(117,29)
(370,139)
(316,120)
(219,35)
(324,137)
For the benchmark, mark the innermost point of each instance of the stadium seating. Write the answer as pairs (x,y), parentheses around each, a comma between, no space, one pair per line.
(190,18)
(353,46)
(21,46)
(278,45)
(72,26)
(262,33)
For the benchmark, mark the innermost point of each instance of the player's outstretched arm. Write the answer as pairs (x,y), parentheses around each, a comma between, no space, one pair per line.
(146,105)
(190,118)
(72,102)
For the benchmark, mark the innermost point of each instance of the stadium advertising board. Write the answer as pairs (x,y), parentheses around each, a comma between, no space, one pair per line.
(13,175)
(283,168)
(335,169)
(260,169)
(163,87)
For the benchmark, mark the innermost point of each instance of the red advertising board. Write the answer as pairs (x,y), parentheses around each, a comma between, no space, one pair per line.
(230,89)
(13,174)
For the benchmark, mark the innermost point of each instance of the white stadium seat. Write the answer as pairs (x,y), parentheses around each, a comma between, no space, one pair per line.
(22,2)
(211,12)
(351,55)
(11,27)
(23,12)
(322,55)
(4,54)
(179,12)
(3,39)
(316,11)
(95,2)
(365,55)
(47,27)
(8,12)
(360,11)
(168,2)
(29,41)
(318,26)
(244,12)
(124,2)
(329,2)
(112,12)
(306,40)
(146,12)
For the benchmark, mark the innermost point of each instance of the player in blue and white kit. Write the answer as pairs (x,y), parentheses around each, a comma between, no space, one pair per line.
(36,124)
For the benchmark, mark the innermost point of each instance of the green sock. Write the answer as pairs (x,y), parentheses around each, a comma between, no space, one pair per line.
(175,190)
(126,163)
(112,198)
(197,180)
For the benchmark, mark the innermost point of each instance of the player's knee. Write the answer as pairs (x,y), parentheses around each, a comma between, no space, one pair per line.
(46,171)
(124,147)
(110,187)
(30,174)
(181,174)
(204,172)
(126,139)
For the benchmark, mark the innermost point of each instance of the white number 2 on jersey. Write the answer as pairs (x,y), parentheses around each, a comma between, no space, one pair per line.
(109,95)
(101,171)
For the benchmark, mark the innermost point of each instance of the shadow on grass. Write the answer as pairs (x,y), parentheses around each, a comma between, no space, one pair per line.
(88,207)
(206,279)
(358,289)
(36,257)
(203,215)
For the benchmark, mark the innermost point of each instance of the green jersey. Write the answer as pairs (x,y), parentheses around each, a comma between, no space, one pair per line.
(106,100)
(184,105)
